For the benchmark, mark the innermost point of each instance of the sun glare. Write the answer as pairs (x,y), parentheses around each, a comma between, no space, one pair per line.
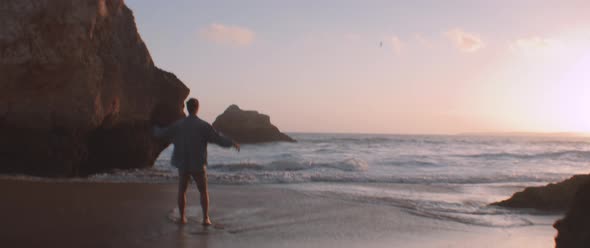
(545,88)
(571,105)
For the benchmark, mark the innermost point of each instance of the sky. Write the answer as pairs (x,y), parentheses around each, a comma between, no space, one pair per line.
(405,67)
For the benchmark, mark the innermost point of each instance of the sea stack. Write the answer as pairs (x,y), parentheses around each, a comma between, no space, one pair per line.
(248,127)
(552,197)
(79,92)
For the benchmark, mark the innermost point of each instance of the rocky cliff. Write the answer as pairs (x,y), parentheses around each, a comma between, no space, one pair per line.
(79,90)
(552,197)
(248,127)
(573,231)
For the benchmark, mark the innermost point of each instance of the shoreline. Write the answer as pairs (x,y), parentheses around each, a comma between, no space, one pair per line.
(89,214)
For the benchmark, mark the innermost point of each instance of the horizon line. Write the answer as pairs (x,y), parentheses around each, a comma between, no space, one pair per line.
(507,133)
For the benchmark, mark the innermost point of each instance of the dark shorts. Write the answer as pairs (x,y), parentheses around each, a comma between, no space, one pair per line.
(200,178)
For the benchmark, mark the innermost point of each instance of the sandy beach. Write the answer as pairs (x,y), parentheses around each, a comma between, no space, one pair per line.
(87,214)
(373,124)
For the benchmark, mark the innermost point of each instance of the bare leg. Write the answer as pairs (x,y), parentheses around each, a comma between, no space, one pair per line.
(201,181)
(183,179)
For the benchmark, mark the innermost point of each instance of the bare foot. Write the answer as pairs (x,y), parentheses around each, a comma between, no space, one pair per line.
(206,222)
(182,221)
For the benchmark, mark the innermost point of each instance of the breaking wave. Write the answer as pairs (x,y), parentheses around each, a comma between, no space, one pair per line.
(351,164)
(572,155)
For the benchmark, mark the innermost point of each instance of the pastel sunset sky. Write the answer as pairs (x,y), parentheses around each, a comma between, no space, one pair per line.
(421,66)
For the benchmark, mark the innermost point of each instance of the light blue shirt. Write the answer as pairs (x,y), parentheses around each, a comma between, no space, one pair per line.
(190,137)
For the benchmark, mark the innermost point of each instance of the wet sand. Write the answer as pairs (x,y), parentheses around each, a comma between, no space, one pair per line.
(85,214)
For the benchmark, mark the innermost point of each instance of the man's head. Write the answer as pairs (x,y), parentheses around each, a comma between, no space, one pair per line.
(192,106)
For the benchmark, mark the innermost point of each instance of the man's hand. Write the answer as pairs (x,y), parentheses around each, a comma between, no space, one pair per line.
(237,146)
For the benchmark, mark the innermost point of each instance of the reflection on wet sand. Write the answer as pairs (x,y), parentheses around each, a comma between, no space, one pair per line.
(139,215)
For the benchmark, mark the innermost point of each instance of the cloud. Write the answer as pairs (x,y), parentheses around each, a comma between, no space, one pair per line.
(422,41)
(466,42)
(396,44)
(228,35)
(535,44)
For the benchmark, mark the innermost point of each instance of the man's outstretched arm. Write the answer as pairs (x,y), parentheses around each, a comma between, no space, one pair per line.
(221,140)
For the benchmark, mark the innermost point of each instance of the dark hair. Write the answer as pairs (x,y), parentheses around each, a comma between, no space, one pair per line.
(192,105)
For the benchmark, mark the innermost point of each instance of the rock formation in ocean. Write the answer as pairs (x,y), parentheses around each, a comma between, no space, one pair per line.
(248,127)
(79,91)
(552,197)
(573,231)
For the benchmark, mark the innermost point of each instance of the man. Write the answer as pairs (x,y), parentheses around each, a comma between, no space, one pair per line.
(190,137)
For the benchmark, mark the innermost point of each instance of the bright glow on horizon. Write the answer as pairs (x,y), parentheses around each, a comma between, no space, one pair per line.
(370,67)
(572,104)
(542,86)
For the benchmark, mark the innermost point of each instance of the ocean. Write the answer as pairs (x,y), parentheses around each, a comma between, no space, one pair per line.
(449,178)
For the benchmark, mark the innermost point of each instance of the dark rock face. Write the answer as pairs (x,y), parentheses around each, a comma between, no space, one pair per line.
(573,231)
(79,91)
(552,197)
(248,127)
